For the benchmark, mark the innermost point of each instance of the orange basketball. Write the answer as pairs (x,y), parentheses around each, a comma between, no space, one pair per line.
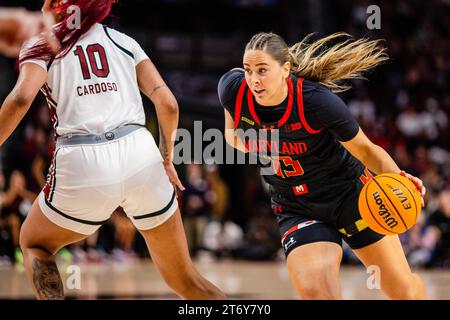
(390,204)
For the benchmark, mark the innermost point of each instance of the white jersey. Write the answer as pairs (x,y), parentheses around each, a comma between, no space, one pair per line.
(94,88)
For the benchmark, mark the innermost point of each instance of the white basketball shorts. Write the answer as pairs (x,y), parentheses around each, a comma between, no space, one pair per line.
(86,183)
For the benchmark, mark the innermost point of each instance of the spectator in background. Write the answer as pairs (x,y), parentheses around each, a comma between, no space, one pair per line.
(412,240)
(124,237)
(223,238)
(86,250)
(14,208)
(410,127)
(256,194)
(402,157)
(6,198)
(421,160)
(38,150)
(197,208)
(433,180)
(218,194)
(262,240)
(434,250)
(38,147)
(114,241)
(437,234)
(363,108)
(434,121)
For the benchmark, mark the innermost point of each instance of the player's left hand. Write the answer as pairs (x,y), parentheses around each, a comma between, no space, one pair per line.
(173,175)
(418,183)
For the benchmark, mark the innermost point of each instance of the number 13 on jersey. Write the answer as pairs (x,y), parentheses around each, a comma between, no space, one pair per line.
(285,166)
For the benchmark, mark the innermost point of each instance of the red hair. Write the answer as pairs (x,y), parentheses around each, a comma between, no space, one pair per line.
(92,12)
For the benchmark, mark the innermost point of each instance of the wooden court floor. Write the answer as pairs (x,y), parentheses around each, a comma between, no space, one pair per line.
(238,279)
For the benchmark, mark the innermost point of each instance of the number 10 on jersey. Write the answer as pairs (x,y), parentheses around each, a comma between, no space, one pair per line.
(96,61)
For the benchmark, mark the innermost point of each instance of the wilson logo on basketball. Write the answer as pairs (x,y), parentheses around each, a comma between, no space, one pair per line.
(383,211)
(389,203)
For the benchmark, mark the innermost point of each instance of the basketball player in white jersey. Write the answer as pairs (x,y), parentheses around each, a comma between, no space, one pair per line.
(104,155)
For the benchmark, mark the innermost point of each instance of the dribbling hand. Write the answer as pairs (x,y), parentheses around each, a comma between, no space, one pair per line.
(418,183)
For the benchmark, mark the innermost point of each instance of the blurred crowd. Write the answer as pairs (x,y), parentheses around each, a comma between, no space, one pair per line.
(404,107)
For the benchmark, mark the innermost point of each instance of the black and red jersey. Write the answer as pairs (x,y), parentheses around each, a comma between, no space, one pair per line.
(308,160)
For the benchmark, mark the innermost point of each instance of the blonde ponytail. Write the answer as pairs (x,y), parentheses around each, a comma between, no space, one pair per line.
(314,61)
(345,60)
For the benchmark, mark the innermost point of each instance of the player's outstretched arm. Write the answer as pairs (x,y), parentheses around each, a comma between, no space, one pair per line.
(153,86)
(31,79)
(376,158)
(371,155)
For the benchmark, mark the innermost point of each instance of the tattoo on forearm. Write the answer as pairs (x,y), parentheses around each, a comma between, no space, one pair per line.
(163,144)
(157,88)
(47,280)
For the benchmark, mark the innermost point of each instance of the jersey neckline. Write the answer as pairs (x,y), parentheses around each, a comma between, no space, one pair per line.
(287,113)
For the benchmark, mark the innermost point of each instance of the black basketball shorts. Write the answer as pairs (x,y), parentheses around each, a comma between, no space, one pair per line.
(335,222)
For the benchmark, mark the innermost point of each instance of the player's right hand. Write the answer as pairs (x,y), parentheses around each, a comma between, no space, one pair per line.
(418,184)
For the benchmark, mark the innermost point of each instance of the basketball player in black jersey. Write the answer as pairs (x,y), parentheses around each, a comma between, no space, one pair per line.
(320,161)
